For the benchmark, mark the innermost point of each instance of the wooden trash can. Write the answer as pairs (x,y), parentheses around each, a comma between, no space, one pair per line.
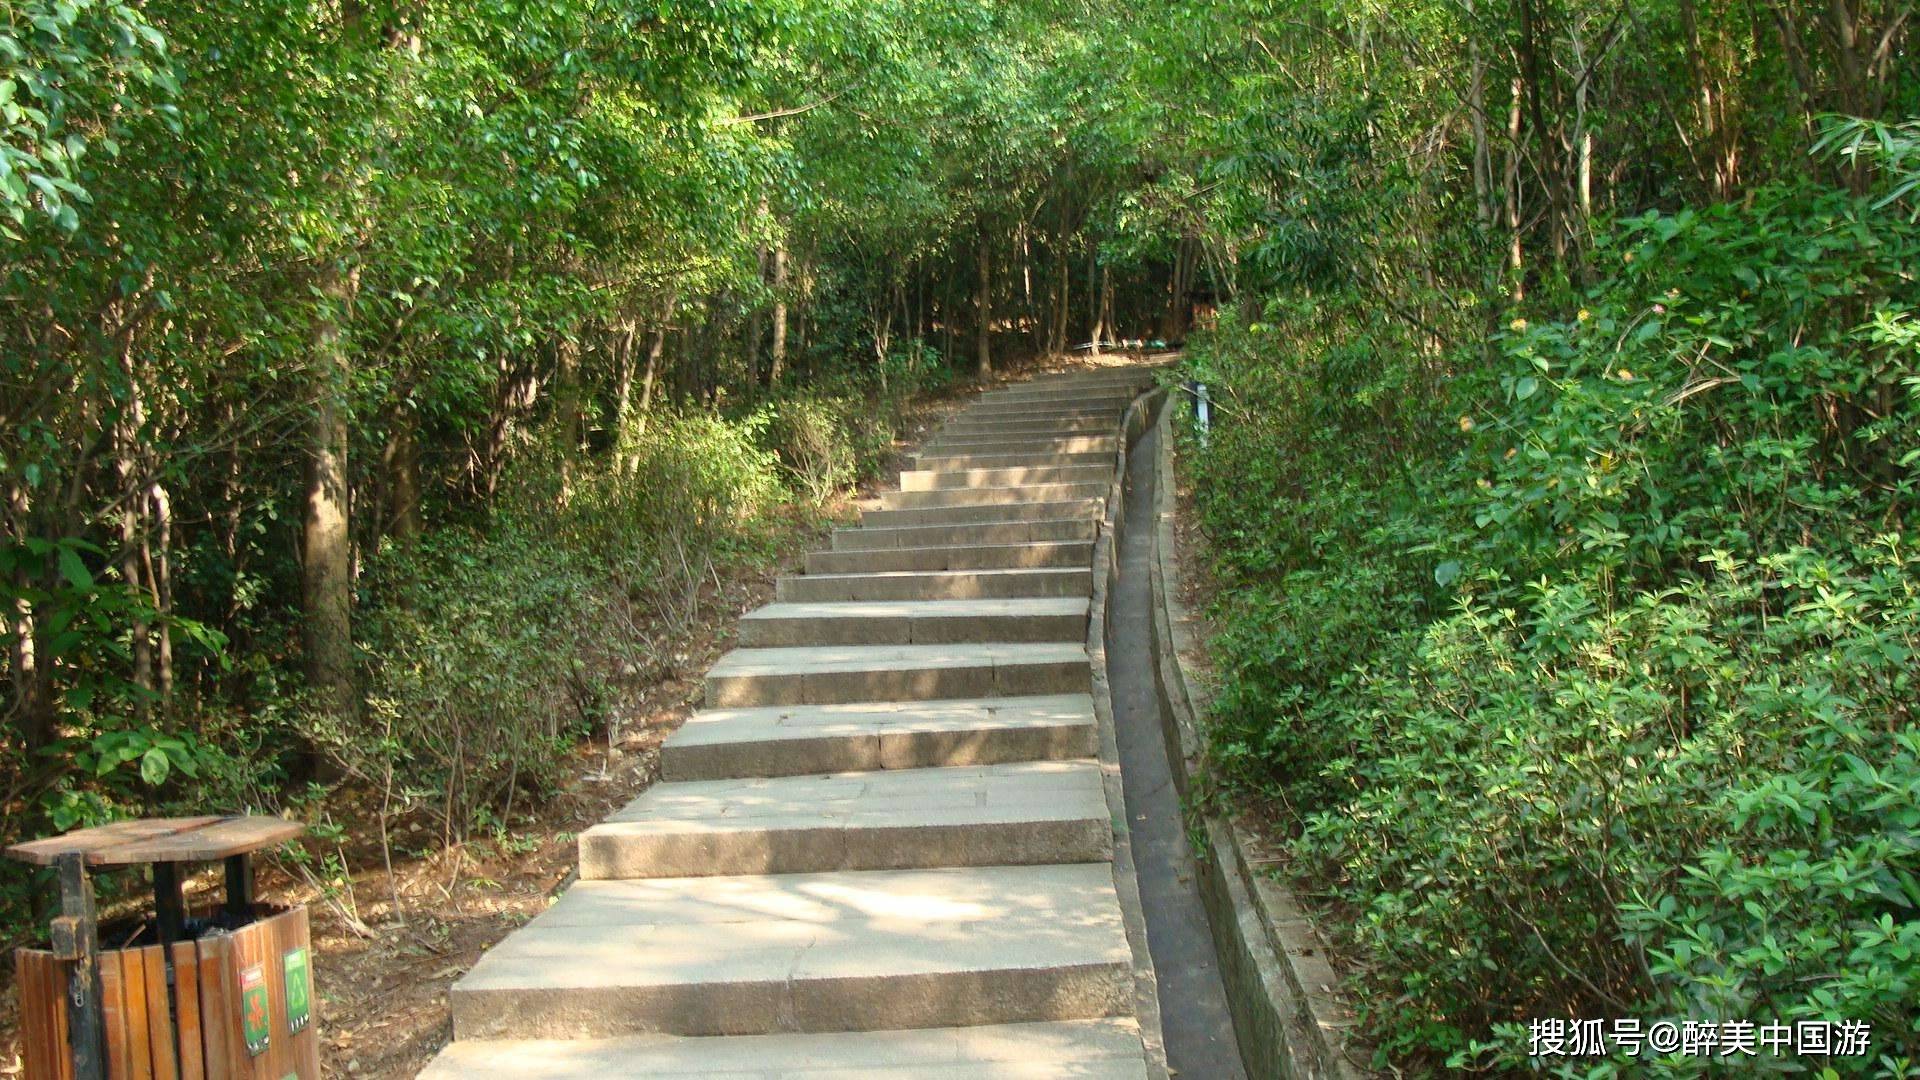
(225,993)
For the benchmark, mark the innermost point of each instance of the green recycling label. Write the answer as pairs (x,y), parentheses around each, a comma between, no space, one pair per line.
(299,991)
(253,1010)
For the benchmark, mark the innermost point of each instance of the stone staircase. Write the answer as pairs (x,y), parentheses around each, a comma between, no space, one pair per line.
(884,847)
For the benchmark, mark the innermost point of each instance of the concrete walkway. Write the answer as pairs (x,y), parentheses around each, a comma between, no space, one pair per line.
(884,849)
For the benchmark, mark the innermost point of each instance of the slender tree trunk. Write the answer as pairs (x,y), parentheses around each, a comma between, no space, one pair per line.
(1551,170)
(919,304)
(1107,326)
(1093,297)
(983,308)
(656,347)
(568,408)
(519,389)
(756,330)
(623,383)
(1063,309)
(1177,288)
(400,461)
(1516,266)
(326,549)
(777,366)
(160,575)
(30,711)
(127,433)
(1477,114)
(945,301)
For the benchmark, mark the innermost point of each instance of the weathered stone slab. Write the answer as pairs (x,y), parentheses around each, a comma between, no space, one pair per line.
(1076,527)
(825,675)
(914,622)
(842,951)
(953,557)
(1106,1049)
(799,739)
(1009,814)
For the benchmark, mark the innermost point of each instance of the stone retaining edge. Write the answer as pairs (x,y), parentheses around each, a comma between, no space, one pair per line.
(1106,567)
(1281,989)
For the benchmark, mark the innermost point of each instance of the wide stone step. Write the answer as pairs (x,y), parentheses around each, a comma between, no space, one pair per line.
(825,675)
(1052,581)
(1109,411)
(956,461)
(1023,444)
(953,557)
(794,740)
(931,480)
(985,496)
(915,622)
(1107,1049)
(1077,527)
(978,515)
(1079,382)
(1116,395)
(1013,814)
(1038,426)
(843,951)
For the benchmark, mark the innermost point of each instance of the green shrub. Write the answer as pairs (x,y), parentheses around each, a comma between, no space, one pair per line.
(489,656)
(815,439)
(1592,695)
(480,673)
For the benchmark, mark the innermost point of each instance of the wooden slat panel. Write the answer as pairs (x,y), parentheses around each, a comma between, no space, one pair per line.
(186,1001)
(296,933)
(113,1003)
(219,1026)
(36,1035)
(159,1015)
(134,1006)
(61,973)
(199,839)
(102,837)
(214,840)
(263,946)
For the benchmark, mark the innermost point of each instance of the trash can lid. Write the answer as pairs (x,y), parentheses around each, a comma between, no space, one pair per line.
(161,840)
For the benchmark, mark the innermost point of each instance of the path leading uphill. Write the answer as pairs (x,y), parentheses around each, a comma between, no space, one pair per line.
(884,849)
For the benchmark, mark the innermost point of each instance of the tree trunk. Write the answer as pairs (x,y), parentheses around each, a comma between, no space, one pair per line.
(656,347)
(400,461)
(983,309)
(1477,114)
(127,434)
(756,329)
(30,712)
(1516,266)
(623,380)
(777,365)
(1093,297)
(325,558)
(568,408)
(160,575)
(1064,305)
(1177,290)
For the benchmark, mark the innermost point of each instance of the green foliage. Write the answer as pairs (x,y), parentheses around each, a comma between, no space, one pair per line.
(479,676)
(72,73)
(1603,706)
(489,656)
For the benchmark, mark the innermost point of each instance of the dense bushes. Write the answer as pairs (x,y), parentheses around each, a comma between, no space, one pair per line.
(488,649)
(1585,678)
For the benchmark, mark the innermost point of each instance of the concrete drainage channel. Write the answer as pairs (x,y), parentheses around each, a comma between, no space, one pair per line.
(1196,1021)
(1245,985)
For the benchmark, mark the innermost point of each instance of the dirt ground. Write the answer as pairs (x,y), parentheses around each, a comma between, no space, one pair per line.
(388,946)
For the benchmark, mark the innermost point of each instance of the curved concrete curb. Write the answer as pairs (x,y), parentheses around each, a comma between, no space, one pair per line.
(1106,566)
(1289,1020)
